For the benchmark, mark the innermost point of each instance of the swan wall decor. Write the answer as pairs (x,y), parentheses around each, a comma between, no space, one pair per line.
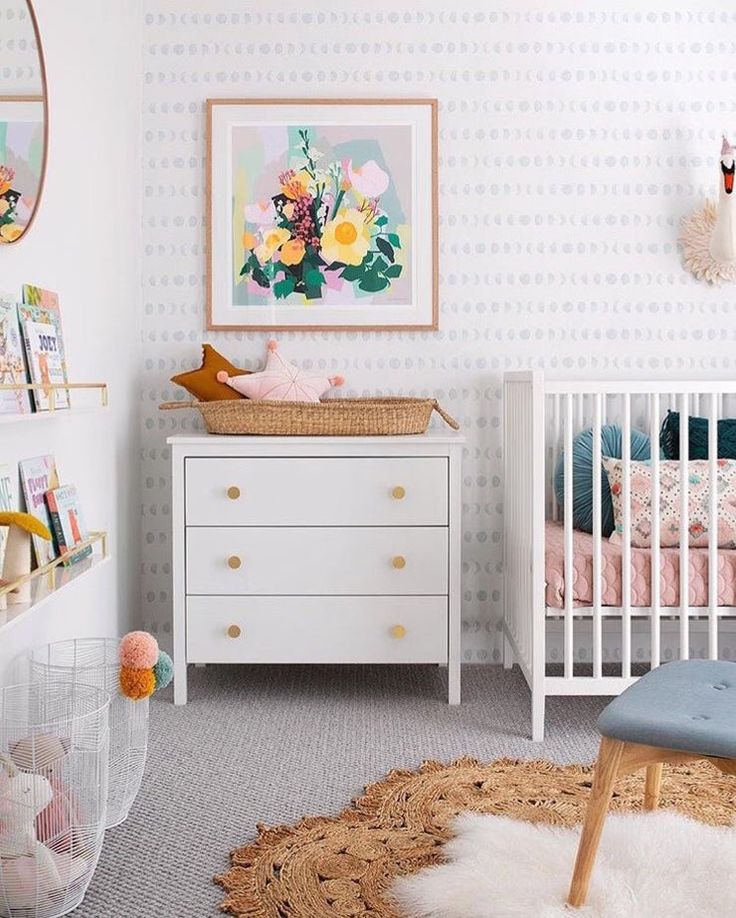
(708,237)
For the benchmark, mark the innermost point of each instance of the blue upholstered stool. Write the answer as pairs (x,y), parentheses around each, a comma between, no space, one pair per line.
(677,713)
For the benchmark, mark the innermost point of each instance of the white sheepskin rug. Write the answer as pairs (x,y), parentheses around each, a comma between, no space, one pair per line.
(654,865)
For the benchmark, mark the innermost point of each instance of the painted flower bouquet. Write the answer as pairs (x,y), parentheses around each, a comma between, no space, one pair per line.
(9,229)
(324,227)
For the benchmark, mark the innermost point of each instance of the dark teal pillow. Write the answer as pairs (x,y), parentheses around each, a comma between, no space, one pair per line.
(669,437)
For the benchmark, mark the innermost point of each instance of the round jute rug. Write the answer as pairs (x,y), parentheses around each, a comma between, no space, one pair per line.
(342,866)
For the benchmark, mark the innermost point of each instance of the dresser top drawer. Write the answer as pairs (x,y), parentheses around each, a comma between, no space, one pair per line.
(408,491)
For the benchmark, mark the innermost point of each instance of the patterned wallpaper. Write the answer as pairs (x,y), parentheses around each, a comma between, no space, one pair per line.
(20,73)
(572,141)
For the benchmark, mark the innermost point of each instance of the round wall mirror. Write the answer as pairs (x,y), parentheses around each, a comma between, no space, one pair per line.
(23,119)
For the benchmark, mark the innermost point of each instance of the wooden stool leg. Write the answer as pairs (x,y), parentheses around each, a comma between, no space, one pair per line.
(606,770)
(652,786)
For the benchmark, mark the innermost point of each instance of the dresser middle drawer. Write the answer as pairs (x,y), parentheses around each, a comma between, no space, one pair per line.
(368,561)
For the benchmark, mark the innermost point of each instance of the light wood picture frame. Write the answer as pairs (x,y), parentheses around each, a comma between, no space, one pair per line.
(24,117)
(322,215)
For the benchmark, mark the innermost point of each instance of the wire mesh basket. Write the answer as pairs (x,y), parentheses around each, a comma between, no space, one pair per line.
(95,661)
(54,747)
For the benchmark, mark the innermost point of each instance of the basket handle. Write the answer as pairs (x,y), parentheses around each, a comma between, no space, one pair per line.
(171,406)
(447,418)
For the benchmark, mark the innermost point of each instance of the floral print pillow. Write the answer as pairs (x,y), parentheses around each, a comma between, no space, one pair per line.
(669,502)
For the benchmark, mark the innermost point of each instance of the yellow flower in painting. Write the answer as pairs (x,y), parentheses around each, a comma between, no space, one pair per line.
(4,206)
(273,239)
(10,232)
(249,241)
(292,252)
(346,238)
(288,210)
(6,178)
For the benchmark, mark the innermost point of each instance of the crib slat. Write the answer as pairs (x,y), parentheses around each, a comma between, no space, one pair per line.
(684,529)
(569,575)
(656,610)
(713,529)
(597,542)
(555,452)
(626,548)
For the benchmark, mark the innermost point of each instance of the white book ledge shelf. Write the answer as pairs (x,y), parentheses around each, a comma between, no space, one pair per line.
(50,390)
(46,581)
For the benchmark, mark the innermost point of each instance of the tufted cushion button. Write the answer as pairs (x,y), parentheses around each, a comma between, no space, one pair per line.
(720,686)
(700,717)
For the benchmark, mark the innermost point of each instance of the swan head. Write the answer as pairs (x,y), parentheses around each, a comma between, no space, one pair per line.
(728,166)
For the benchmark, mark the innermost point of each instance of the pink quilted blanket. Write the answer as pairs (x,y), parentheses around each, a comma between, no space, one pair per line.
(640,573)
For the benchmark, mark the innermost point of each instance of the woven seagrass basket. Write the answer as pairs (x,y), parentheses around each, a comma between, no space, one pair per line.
(335,417)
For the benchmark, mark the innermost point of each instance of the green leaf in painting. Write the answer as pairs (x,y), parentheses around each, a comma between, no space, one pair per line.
(386,248)
(352,273)
(392,271)
(382,220)
(394,239)
(260,278)
(284,287)
(372,283)
(314,278)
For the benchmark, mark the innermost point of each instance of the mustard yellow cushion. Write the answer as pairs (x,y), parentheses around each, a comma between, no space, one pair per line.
(203,384)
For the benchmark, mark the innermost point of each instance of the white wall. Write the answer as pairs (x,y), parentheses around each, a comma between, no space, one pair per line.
(85,244)
(573,137)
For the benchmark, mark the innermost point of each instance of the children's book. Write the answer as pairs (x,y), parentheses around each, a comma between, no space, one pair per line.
(37,476)
(49,302)
(12,365)
(44,350)
(7,502)
(67,523)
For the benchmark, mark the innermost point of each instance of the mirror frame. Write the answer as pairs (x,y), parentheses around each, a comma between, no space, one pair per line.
(44,98)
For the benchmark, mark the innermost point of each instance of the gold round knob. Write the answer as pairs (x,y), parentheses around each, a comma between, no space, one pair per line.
(398,562)
(233,493)
(234,631)
(398,632)
(234,562)
(398,493)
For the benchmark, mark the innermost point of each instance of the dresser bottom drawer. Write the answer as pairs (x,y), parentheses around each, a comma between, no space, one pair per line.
(316,629)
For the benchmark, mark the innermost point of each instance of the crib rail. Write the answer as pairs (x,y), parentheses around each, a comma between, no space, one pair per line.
(562,409)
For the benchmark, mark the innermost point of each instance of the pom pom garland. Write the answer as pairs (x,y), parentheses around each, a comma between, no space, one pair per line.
(144,668)
(138,650)
(163,671)
(137,683)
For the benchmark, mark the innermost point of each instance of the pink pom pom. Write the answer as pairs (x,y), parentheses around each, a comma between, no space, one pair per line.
(222,376)
(138,650)
(337,380)
(273,345)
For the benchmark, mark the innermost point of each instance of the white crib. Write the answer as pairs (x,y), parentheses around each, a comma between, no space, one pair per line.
(541,418)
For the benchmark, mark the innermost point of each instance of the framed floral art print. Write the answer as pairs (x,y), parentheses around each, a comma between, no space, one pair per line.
(322,214)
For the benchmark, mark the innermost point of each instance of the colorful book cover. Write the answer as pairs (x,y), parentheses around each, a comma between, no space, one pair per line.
(44,356)
(48,301)
(7,502)
(67,523)
(12,365)
(37,476)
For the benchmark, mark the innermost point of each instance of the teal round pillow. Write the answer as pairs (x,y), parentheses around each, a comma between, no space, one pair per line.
(582,474)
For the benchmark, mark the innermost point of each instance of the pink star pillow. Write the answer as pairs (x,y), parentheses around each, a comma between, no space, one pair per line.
(280,381)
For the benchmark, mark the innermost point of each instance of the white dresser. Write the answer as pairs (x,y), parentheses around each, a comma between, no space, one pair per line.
(316,550)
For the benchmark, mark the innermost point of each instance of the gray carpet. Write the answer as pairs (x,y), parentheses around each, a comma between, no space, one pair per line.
(272,744)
